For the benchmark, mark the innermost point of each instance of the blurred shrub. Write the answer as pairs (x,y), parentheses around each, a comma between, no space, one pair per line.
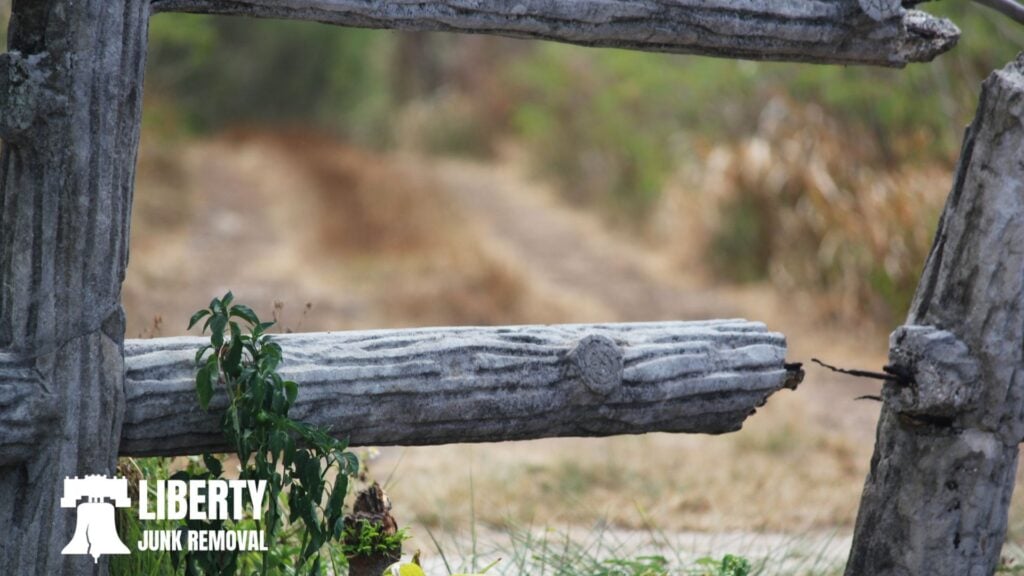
(221,71)
(839,197)
(602,122)
(5,18)
(607,123)
(835,192)
(448,122)
(787,204)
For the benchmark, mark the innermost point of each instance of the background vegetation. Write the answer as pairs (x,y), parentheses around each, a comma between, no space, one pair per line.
(619,131)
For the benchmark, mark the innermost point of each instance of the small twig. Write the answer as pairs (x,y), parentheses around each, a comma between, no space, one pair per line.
(1008,8)
(869,397)
(859,373)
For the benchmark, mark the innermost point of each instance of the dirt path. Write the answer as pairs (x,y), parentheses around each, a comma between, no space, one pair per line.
(568,251)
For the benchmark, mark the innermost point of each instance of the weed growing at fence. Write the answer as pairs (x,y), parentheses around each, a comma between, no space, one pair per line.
(365,538)
(257,427)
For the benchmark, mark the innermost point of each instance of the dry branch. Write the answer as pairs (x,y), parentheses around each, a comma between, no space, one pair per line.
(448,385)
(838,31)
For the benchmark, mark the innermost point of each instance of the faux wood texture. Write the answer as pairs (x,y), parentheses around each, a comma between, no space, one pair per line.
(936,499)
(878,32)
(449,385)
(72,100)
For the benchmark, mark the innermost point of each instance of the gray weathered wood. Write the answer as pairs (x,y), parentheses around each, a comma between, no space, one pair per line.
(70,100)
(439,386)
(936,499)
(878,32)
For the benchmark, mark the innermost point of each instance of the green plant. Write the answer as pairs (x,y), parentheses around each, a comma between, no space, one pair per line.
(267,441)
(729,565)
(130,528)
(365,538)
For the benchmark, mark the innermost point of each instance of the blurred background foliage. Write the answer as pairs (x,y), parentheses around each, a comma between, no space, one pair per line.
(854,162)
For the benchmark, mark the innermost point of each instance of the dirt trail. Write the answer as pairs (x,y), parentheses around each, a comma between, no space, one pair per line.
(567,251)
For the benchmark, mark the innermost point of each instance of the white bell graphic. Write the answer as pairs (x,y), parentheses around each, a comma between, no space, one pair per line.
(95,531)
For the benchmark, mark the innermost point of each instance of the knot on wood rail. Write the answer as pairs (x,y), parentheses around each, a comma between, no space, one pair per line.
(942,375)
(599,361)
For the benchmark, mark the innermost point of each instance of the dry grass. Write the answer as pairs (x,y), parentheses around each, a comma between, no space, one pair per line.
(296,218)
(813,207)
(781,473)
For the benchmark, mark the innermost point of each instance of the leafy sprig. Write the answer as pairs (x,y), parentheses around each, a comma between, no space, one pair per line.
(242,359)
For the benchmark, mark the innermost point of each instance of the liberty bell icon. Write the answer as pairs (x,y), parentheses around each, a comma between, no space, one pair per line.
(95,531)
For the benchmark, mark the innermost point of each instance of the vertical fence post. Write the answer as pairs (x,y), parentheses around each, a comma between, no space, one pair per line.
(936,498)
(70,91)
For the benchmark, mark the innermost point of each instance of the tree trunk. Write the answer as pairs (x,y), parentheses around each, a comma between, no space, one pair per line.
(441,386)
(70,93)
(936,499)
(837,31)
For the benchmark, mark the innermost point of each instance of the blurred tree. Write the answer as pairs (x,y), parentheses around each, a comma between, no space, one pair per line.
(416,69)
(223,71)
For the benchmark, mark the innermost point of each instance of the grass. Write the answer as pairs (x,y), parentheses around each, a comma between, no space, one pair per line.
(130,528)
(601,551)
(695,483)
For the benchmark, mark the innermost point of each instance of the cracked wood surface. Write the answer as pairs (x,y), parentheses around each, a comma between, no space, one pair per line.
(450,385)
(936,498)
(877,32)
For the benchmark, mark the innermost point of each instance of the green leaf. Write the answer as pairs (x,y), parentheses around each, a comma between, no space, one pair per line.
(245,313)
(233,360)
(200,352)
(197,317)
(213,465)
(217,325)
(226,301)
(292,391)
(277,441)
(351,463)
(277,404)
(337,499)
(204,387)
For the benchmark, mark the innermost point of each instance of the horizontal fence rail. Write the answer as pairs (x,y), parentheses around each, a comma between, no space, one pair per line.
(450,385)
(877,32)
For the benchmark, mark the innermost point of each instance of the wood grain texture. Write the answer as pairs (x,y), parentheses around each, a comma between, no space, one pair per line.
(878,32)
(936,499)
(448,385)
(72,101)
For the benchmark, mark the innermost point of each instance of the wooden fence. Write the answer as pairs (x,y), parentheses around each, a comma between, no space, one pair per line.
(74,394)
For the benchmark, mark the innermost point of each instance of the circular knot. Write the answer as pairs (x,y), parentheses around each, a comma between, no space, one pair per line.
(599,361)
